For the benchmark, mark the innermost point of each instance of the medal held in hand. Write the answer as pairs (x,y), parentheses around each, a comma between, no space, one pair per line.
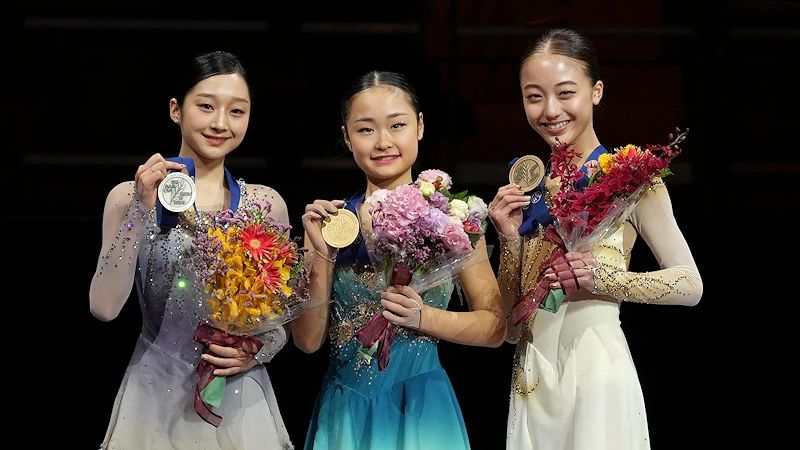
(527,172)
(177,192)
(340,229)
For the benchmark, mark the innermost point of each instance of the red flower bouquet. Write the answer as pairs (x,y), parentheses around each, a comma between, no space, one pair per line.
(585,217)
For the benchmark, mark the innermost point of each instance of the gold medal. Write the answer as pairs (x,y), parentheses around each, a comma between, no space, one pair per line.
(340,229)
(527,172)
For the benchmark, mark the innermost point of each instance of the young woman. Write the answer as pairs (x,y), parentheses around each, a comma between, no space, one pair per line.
(574,384)
(410,405)
(143,244)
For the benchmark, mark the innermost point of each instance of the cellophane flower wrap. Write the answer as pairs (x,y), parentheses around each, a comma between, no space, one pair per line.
(585,217)
(256,278)
(422,236)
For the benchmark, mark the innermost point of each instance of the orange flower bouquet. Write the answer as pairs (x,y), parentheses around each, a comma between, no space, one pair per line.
(257,278)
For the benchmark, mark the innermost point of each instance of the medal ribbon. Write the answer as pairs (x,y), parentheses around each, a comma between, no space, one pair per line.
(169,219)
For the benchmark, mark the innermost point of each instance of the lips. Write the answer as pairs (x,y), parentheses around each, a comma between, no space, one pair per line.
(556,127)
(386,159)
(215,140)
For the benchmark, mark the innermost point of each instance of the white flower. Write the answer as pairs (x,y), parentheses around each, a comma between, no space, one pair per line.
(377,197)
(459,209)
(426,188)
(477,208)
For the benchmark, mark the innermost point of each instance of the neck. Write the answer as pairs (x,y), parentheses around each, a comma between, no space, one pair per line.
(374,185)
(584,146)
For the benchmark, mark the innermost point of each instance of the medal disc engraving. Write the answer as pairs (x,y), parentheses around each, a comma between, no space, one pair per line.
(340,229)
(177,192)
(527,172)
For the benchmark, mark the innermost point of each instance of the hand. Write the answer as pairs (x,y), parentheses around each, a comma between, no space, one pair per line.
(229,360)
(403,306)
(561,277)
(505,209)
(149,175)
(312,222)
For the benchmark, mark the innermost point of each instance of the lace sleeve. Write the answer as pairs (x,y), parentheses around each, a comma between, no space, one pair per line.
(509,279)
(678,282)
(125,223)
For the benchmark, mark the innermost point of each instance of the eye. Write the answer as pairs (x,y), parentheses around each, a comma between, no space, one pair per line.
(398,126)
(365,130)
(566,92)
(237,111)
(206,106)
(533,96)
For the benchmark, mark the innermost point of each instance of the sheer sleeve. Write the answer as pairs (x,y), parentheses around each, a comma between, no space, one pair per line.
(275,338)
(678,282)
(263,194)
(509,279)
(273,341)
(125,224)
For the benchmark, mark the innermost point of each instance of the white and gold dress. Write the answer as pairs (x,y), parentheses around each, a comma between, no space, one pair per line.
(574,383)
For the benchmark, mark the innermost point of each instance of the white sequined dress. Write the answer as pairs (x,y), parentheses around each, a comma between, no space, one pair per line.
(154,405)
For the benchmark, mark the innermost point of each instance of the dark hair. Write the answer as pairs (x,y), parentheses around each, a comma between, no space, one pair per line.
(377,78)
(569,43)
(207,65)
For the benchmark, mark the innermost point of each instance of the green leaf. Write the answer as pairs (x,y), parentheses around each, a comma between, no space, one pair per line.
(664,172)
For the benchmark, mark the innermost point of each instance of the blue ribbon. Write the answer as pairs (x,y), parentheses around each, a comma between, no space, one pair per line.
(357,251)
(169,219)
(537,213)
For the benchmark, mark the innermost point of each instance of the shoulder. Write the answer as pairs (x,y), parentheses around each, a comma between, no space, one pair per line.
(259,192)
(123,192)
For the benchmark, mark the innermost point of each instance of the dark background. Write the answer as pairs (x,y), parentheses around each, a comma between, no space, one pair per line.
(92,81)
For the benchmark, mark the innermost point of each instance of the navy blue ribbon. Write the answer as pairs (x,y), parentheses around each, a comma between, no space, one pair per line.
(357,251)
(169,219)
(537,213)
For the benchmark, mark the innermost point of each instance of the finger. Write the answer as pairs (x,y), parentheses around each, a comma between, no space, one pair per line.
(338,203)
(397,320)
(394,307)
(327,205)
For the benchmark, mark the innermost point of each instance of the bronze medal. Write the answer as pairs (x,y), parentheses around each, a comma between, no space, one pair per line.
(340,229)
(527,172)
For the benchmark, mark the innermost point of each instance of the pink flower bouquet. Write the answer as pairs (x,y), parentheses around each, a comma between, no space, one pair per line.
(422,235)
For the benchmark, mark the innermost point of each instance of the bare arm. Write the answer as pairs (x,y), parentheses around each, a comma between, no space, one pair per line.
(484,325)
(309,330)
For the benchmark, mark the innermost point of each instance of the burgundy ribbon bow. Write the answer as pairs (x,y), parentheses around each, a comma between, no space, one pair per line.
(380,330)
(528,303)
(207,334)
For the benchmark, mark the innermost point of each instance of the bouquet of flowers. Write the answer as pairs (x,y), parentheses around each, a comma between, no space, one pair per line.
(422,235)
(256,275)
(617,181)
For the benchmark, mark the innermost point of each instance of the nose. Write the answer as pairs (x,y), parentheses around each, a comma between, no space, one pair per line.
(220,122)
(552,108)
(384,141)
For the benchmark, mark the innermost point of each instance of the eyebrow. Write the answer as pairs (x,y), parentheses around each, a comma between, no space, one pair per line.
(238,99)
(390,116)
(570,82)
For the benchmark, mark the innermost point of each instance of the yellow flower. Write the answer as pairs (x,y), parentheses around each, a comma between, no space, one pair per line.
(606,161)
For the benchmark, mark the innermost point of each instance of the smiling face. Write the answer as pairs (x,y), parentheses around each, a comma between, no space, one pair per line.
(383,132)
(214,116)
(559,98)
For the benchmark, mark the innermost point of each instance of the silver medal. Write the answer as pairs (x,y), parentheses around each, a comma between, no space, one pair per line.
(177,192)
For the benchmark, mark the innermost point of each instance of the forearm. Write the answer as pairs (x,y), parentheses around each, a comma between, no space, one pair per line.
(479,328)
(273,341)
(116,268)
(509,279)
(676,285)
(309,330)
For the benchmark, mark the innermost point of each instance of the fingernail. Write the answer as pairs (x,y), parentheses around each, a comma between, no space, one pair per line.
(527,198)
(183,165)
(553,285)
